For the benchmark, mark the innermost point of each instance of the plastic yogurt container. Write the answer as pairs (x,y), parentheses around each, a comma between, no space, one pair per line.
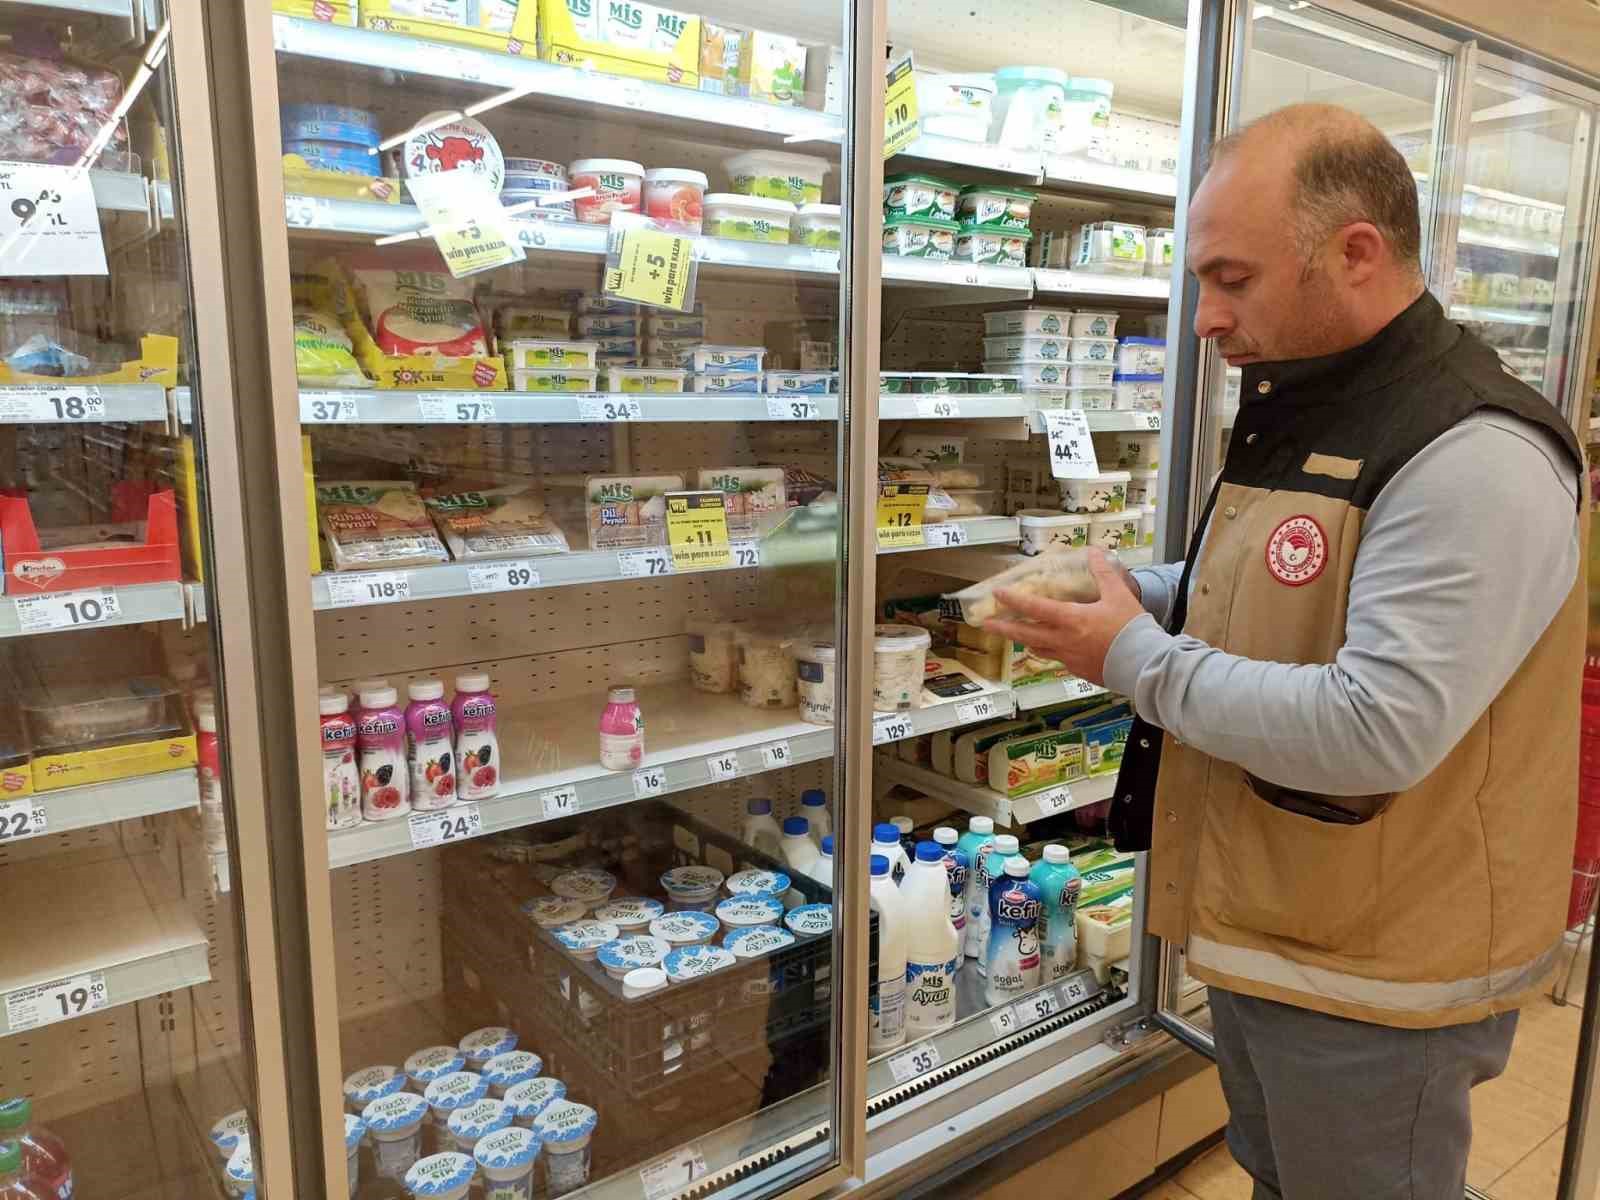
(814,667)
(630,953)
(754,943)
(1115,530)
(739,359)
(239,1176)
(995,207)
(588,886)
(551,911)
(505,1071)
(748,218)
(1027,107)
(920,237)
(434,1062)
(394,1125)
(992,246)
(727,383)
(331,122)
(446,1176)
(968,96)
(898,655)
(758,882)
(583,939)
(801,383)
(749,912)
(1093,323)
(506,1160)
(1027,347)
(479,1046)
(810,919)
(564,1130)
(477,1120)
(681,929)
(692,884)
(692,962)
(819,225)
(527,1100)
(1106,492)
(448,1093)
(618,184)
(1043,528)
(227,1133)
(630,914)
(354,1130)
(362,1087)
(675,197)
(1141,485)
(774,175)
(919,196)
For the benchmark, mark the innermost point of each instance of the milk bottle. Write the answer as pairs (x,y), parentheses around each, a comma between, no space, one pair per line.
(1013,958)
(760,830)
(814,808)
(957,863)
(823,872)
(886,1007)
(975,843)
(799,851)
(932,948)
(1059,884)
(886,841)
(990,868)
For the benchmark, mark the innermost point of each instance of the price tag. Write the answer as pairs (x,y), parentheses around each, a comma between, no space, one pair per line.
(902,119)
(559,802)
(980,708)
(900,507)
(64,403)
(1043,804)
(463,64)
(368,587)
(938,406)
(67,610)
(1036,1008)
(918,1060)
(311,212)
(653,267)
(454,824)
(793,408)
(47,1003)
(670,1175)
(466,221)
(776,755)
(891,727)
(649,781)
(509,576)
(747,554)
(1080,689)
(945,534)
(653,560)
(1075,989)
(723,766)
(697,530)
(22,819)
(1071,446)
(49,221)
(1152,420)
(1003,1022)
(327,410)
(454,409)
(609,408)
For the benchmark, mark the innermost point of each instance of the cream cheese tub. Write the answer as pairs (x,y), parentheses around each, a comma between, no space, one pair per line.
(1090,374)
(992,247)
(754,943)
(814,668)
(1142,356)
(1106,492)
(630,914)
(693,962)
(434,1062)
(1094,323)
(589,886)
(479,1046)
(448,1093)
(1115,530)
(583,938)
(748,218)
(527,1100)
(531,380)
(810,919)
(1032,375)
(362,1087)
(630,953)
(1093,350)
(686,928)
(1027,347)
(617,185)
(506,1161)
(749,912)
(995,208)
(774,175)
(564,1130)
(1141,485)
(920,237)
(735,359)
(548,354)
(899,653)
(1032,322)
(354,1130)
(547,912)
(919,196)
(758,882)
(1092,399)
(394,1124)
(818,225)
(477,1120)
(505,1071)
(801,383)
(1043,528)
(1137,393)
(958,105)
(446,1176)
(727,383)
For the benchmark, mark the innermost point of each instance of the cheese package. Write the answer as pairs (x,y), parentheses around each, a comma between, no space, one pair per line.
(531,321)
(713,654)
(958,475)
(1021,765)
(640,40)
(323,354)
(376,523)
(766,668)
(749,493)
(625,511)
(506,26)
(990,664)
(1104,744)
(1060,573)
(971,749)
(931,449)
(494,522)
(412,309)
(918,751)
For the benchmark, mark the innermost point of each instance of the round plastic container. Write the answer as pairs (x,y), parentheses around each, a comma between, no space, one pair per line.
(618,185)
(506,1159)
(898,655)
(749,912)
(1141,356)
(675,197)
(692,962)
(1085,118)
(551,911)
(564,1129)
(995,208)
(1141,485)
(354,1130)
(448,1093)
(1043,528)
(992,247)
(479,1046)
(688,928)
(589,886)
(1114,530)
(630,914)
(743,218)
(758,882)
(766,668)
(692,886)
(630,953)
(1136,393)
(643,981)
(583,939)
(810,919)
(1094,323)
(227,1133)
(446,1176)
(362,1087)
(505,1071)
(477,1120)
(775,175)
(1027,107)
(527,1100)
(819,225)
(754,943)
(395,1126)
(957,106)
(814,666)
(434,1062)
(1106,492)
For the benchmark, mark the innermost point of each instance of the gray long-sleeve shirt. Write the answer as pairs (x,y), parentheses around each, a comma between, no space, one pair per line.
(1465,557)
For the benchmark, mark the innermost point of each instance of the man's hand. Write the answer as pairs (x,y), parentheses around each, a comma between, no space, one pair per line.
(1077,635)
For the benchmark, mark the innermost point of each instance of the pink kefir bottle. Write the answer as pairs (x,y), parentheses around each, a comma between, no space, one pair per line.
(430,745)
(341,781)
(621,731)
(381,753)
(477,747)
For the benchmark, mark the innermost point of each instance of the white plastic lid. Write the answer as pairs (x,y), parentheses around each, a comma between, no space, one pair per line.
(1017,867)
(1041,517)
(425,689)
(333,703)
(382,697)
(675,175)
(946,836)
(826,212)
(620,695)
(370,685)
(775,158)
(1005,845)
(817,652)
(892,638)
(439,1174)
(611,166)
(983,825)
(205,716)
(1056,854)
(475,682)
(904,824)
(644,979)
(759,203)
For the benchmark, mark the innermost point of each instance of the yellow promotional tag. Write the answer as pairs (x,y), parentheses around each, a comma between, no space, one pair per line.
(902,120)
(900,508)
(654,269)
(465,219)
(697,530)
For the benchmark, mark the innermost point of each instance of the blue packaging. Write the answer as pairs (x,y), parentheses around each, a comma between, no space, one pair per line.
(329,123)
(335,156)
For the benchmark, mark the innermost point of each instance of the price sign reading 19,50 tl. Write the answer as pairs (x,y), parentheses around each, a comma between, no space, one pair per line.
(62,1000)
(900,508)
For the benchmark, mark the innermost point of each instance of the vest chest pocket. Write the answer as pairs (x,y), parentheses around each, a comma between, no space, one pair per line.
(1290,875)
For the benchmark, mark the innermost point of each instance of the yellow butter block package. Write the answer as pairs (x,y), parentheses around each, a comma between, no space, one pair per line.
(619,37)
(105,763)
(509,26)
(334,12)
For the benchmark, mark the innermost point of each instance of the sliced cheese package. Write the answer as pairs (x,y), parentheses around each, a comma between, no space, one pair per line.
(376,523)
(1104,745)
(970,751)
(1060,573)
(1084,713)
(1022,765)
(493,522)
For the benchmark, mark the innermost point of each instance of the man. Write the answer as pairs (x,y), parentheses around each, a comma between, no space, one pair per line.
(1364,703)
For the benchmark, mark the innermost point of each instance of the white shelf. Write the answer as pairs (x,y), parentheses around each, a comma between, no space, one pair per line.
(376,406)
(902,406)
(120,191)
(118,917)
(137,603)
(1054,691)
(1112,287)
(1079,174)
(196,592)
(984,562)
(1478,314)
(123,401)
(93,8)
(983,156)
(119,800)
(983,802)
(930,273)
(978,531)
(1113,421)
(1515,245)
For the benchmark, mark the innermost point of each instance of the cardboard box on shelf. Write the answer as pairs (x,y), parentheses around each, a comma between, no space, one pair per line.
(622,38)
(503,25)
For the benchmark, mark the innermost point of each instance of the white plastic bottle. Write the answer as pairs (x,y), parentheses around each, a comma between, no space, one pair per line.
(886,841)
(814,808)
(886,1011)
(976,842)
(760,830)
(823,871)
(1012,964)
(932,947)
(955,862)
(990,867)
(799,851)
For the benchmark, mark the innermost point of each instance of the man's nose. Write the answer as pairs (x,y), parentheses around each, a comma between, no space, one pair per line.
(1212,318)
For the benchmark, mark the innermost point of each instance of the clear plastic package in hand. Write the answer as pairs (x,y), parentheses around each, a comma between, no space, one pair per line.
(1057,574)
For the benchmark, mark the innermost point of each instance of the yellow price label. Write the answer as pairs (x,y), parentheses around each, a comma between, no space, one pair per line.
(902,119)
(466,221)
(697,530)
(654,269)
(900,507)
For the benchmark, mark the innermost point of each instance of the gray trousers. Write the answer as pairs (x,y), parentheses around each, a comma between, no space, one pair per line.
(1322,1108)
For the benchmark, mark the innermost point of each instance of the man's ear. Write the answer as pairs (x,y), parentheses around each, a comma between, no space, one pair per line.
(1362,251)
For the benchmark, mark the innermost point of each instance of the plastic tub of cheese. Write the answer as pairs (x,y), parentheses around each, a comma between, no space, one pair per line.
(814,666)
(956,105)
(766,668)
(915,195)
(530,380)
(1091,399)
(644,379)
(1043,528)
(691,886)
(920,237)
(1106,930)
(995,207)
(1158,245)
(1105,492)
(1141,485)
(774,175)
(1110,248)
(1027,348)
(992,247)
(1142,356)
(994,385)
(601,325)
(1094,323)
(801,383)
(1093,350)
(1137,393)
(1032,375)
(729,358)
(1114,530)
(1147,525)
(616,185)
(749,912)
(1027,106)
(713,654)
(748,218)
(549,355)
(731,383)
(898,655)
(818,225)
(1090,374)
(1052,322)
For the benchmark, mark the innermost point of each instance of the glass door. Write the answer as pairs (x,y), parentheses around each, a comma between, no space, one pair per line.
(564,280)
(126,1055)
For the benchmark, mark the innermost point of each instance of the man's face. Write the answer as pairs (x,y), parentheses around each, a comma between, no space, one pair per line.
(1260,298)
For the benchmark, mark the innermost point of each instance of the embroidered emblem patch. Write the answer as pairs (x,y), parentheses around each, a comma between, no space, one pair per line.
(1297,551)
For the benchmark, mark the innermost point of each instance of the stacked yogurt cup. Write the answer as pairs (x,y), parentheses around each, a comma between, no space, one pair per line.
(692,888)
